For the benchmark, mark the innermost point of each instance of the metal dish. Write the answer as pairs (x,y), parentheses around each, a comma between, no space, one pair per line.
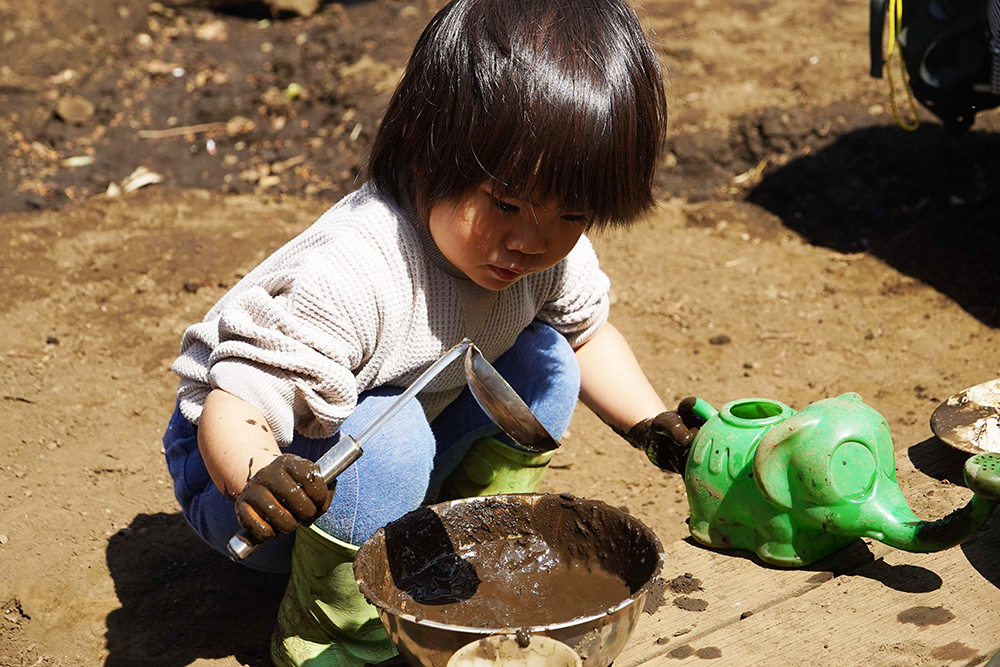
(970,420)
(603,535)
(507,651)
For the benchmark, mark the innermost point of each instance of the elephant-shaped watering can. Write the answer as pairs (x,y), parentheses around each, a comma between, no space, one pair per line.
(797,486)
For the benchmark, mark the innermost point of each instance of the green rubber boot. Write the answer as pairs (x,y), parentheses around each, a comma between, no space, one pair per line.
(492,467)
(323,619)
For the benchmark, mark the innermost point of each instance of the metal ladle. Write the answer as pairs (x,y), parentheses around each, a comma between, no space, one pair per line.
(499,400)
(493,394)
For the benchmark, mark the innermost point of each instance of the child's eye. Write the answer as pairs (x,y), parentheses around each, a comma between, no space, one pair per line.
(505,207)
(576,219)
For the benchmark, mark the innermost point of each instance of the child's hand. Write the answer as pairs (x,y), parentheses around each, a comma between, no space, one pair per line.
(286,492)
(667,437)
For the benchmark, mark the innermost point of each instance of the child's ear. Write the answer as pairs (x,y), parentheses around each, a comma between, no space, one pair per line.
(422,203)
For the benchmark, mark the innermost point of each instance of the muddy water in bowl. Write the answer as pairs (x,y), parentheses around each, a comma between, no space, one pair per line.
(572,569)
(512,581)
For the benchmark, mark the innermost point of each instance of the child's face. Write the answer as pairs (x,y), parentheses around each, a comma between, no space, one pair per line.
(496,242)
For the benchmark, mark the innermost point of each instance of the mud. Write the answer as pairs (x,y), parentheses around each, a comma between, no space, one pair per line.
(820,578)
(202,98)
(528,561)
(953,528)
(518,581)
(690,604)
(954,651)
(655,597)
(685,584)
(923,617)
(681,652)
(970,420)
(686,651)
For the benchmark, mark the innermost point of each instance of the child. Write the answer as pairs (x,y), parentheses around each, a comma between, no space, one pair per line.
(517,126)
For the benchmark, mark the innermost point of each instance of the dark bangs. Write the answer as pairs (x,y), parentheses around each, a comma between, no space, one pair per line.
(541,98)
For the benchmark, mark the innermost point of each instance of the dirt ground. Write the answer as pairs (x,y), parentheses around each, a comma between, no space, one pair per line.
(805,246)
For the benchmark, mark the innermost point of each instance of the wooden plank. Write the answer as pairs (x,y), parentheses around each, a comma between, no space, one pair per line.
(866,605)
(904,609)
(732,585)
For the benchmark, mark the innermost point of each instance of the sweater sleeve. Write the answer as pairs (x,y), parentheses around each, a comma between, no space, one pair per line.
(292,351)
(578,302)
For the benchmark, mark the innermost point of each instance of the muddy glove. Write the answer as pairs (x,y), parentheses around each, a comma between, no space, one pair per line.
(666,438)
(286,492)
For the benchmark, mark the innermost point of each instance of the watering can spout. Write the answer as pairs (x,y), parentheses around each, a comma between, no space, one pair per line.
(982,474)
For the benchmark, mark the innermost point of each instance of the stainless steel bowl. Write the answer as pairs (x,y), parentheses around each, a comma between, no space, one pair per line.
(611,538)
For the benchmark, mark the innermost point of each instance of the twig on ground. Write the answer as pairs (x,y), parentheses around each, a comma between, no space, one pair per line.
(178,131)
(778,336)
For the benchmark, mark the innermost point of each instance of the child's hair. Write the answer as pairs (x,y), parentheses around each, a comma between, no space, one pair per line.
(543,98)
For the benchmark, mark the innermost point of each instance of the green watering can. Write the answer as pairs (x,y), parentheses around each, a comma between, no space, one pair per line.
(794,487)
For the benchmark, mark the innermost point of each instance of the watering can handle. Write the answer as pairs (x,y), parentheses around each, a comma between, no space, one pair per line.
(703,409)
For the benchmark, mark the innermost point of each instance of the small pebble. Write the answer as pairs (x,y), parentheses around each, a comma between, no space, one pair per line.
(78,161)
(74,109)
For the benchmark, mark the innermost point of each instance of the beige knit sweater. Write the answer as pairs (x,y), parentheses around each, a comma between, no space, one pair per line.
(362,299)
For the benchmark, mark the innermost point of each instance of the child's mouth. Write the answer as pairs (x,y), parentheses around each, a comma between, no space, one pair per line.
(505,274)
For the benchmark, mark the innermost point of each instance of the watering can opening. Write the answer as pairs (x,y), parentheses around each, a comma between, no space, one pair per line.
(755,412)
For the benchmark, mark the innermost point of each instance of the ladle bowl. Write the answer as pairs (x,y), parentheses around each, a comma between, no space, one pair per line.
(572,569)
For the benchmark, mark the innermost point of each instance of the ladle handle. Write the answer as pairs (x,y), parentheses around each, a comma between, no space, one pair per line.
(454,353)
(338,459)
(347,450)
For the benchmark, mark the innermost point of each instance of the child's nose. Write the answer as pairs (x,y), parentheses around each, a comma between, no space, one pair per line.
(528,238)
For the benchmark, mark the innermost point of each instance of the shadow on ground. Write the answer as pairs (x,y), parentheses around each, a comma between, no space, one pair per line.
(256,10)
(855,560)
(982,552)
(181,601)
(938,460)
(925,202)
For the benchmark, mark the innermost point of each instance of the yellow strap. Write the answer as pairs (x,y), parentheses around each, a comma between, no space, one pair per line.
(895,19)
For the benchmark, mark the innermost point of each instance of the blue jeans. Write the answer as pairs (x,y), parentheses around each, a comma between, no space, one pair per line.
(403,463)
